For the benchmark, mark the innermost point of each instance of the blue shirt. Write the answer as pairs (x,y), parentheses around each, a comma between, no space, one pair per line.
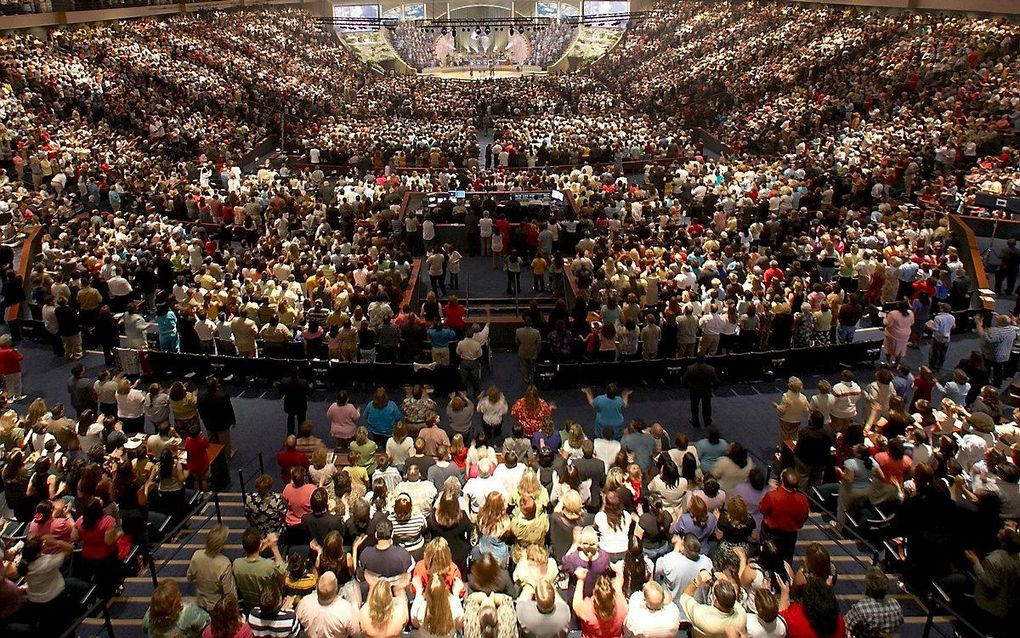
(381,420)
(709,453)
(441,338)
(608,413)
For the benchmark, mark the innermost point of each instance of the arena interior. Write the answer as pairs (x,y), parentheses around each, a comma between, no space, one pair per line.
(505,319)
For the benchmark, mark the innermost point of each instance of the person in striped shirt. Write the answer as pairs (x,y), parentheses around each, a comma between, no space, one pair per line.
(274,617)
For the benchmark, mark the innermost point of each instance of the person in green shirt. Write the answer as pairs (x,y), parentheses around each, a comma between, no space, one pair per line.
(253,571)
(168,616)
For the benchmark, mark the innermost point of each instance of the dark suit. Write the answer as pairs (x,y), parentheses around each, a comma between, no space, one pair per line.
(701,379)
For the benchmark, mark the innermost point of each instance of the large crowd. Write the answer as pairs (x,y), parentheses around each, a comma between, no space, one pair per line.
(848,137)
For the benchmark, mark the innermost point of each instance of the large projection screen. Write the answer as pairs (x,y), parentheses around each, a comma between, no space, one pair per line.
(356,12)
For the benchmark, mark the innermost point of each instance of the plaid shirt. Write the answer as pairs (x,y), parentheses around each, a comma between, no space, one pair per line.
(871,618)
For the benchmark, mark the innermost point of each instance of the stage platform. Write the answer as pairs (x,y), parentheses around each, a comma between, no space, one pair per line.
(475,73)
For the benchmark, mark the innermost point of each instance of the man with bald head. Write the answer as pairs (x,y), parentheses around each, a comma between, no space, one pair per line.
(290,457)
(324,614)
(651,614)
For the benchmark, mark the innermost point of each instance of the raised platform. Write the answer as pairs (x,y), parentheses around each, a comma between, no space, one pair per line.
(469,73)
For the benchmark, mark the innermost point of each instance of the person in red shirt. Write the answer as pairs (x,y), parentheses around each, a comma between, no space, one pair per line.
(454,312)
(99,534)
(784,511)
(773,272)
(197,447)
(290,457)
(10,368)
(815,615)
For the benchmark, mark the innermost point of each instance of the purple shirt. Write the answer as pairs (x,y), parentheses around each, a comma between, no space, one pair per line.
(595,568)
(752,498)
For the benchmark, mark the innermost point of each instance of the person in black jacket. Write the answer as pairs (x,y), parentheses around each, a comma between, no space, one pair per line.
(295,392)
(69,328)
(217,413)
(813,455)
(701,378)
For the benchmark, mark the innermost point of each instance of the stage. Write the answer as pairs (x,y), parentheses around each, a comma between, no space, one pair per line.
(469,73)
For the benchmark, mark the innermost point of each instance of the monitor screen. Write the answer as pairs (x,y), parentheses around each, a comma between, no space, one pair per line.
(547,9)
(606,7)
(360,16)
(414,11)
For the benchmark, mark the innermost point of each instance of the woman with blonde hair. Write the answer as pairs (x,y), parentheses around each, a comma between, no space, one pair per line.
(437,613)
(568,516)
(384,614)
(168,616)
(321,470)
(537,566)
(529,485)
(791,409)
(436,561)
(366,449)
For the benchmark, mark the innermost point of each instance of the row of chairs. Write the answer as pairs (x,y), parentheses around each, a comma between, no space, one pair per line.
(322,372)
(746,367)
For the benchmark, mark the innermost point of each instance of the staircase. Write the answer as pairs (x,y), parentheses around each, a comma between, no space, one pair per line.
(852,560)
(171,560)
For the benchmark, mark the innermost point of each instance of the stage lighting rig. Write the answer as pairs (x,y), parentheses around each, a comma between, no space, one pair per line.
(515,24)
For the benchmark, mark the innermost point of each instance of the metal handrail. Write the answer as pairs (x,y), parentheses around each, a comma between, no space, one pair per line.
(874,551)
(938,598)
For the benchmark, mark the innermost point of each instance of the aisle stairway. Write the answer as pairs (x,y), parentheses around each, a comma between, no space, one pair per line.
(172,560)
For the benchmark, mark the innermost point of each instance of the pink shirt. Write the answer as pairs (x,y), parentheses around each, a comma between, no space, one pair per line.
(898,325)
(93,541)
(343,420)
(59,528)
(299,502)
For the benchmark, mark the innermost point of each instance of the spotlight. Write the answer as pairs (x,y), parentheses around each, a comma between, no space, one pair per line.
(478,31)
(443,30)
(511,30)
(487,30)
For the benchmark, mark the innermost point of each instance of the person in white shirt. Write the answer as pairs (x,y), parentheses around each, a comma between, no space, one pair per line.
(766,621)
(846,395)
(606,447)
(651,614)
(206,330)
(823,401)
(478,488)
(428,232)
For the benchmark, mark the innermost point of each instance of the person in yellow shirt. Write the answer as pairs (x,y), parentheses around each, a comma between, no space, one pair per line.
(538,265)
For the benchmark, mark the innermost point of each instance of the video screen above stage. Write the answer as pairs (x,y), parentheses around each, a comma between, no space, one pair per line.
(590,8)
(356,17)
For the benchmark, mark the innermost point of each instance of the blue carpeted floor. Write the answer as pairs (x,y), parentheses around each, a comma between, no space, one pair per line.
(741,412)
